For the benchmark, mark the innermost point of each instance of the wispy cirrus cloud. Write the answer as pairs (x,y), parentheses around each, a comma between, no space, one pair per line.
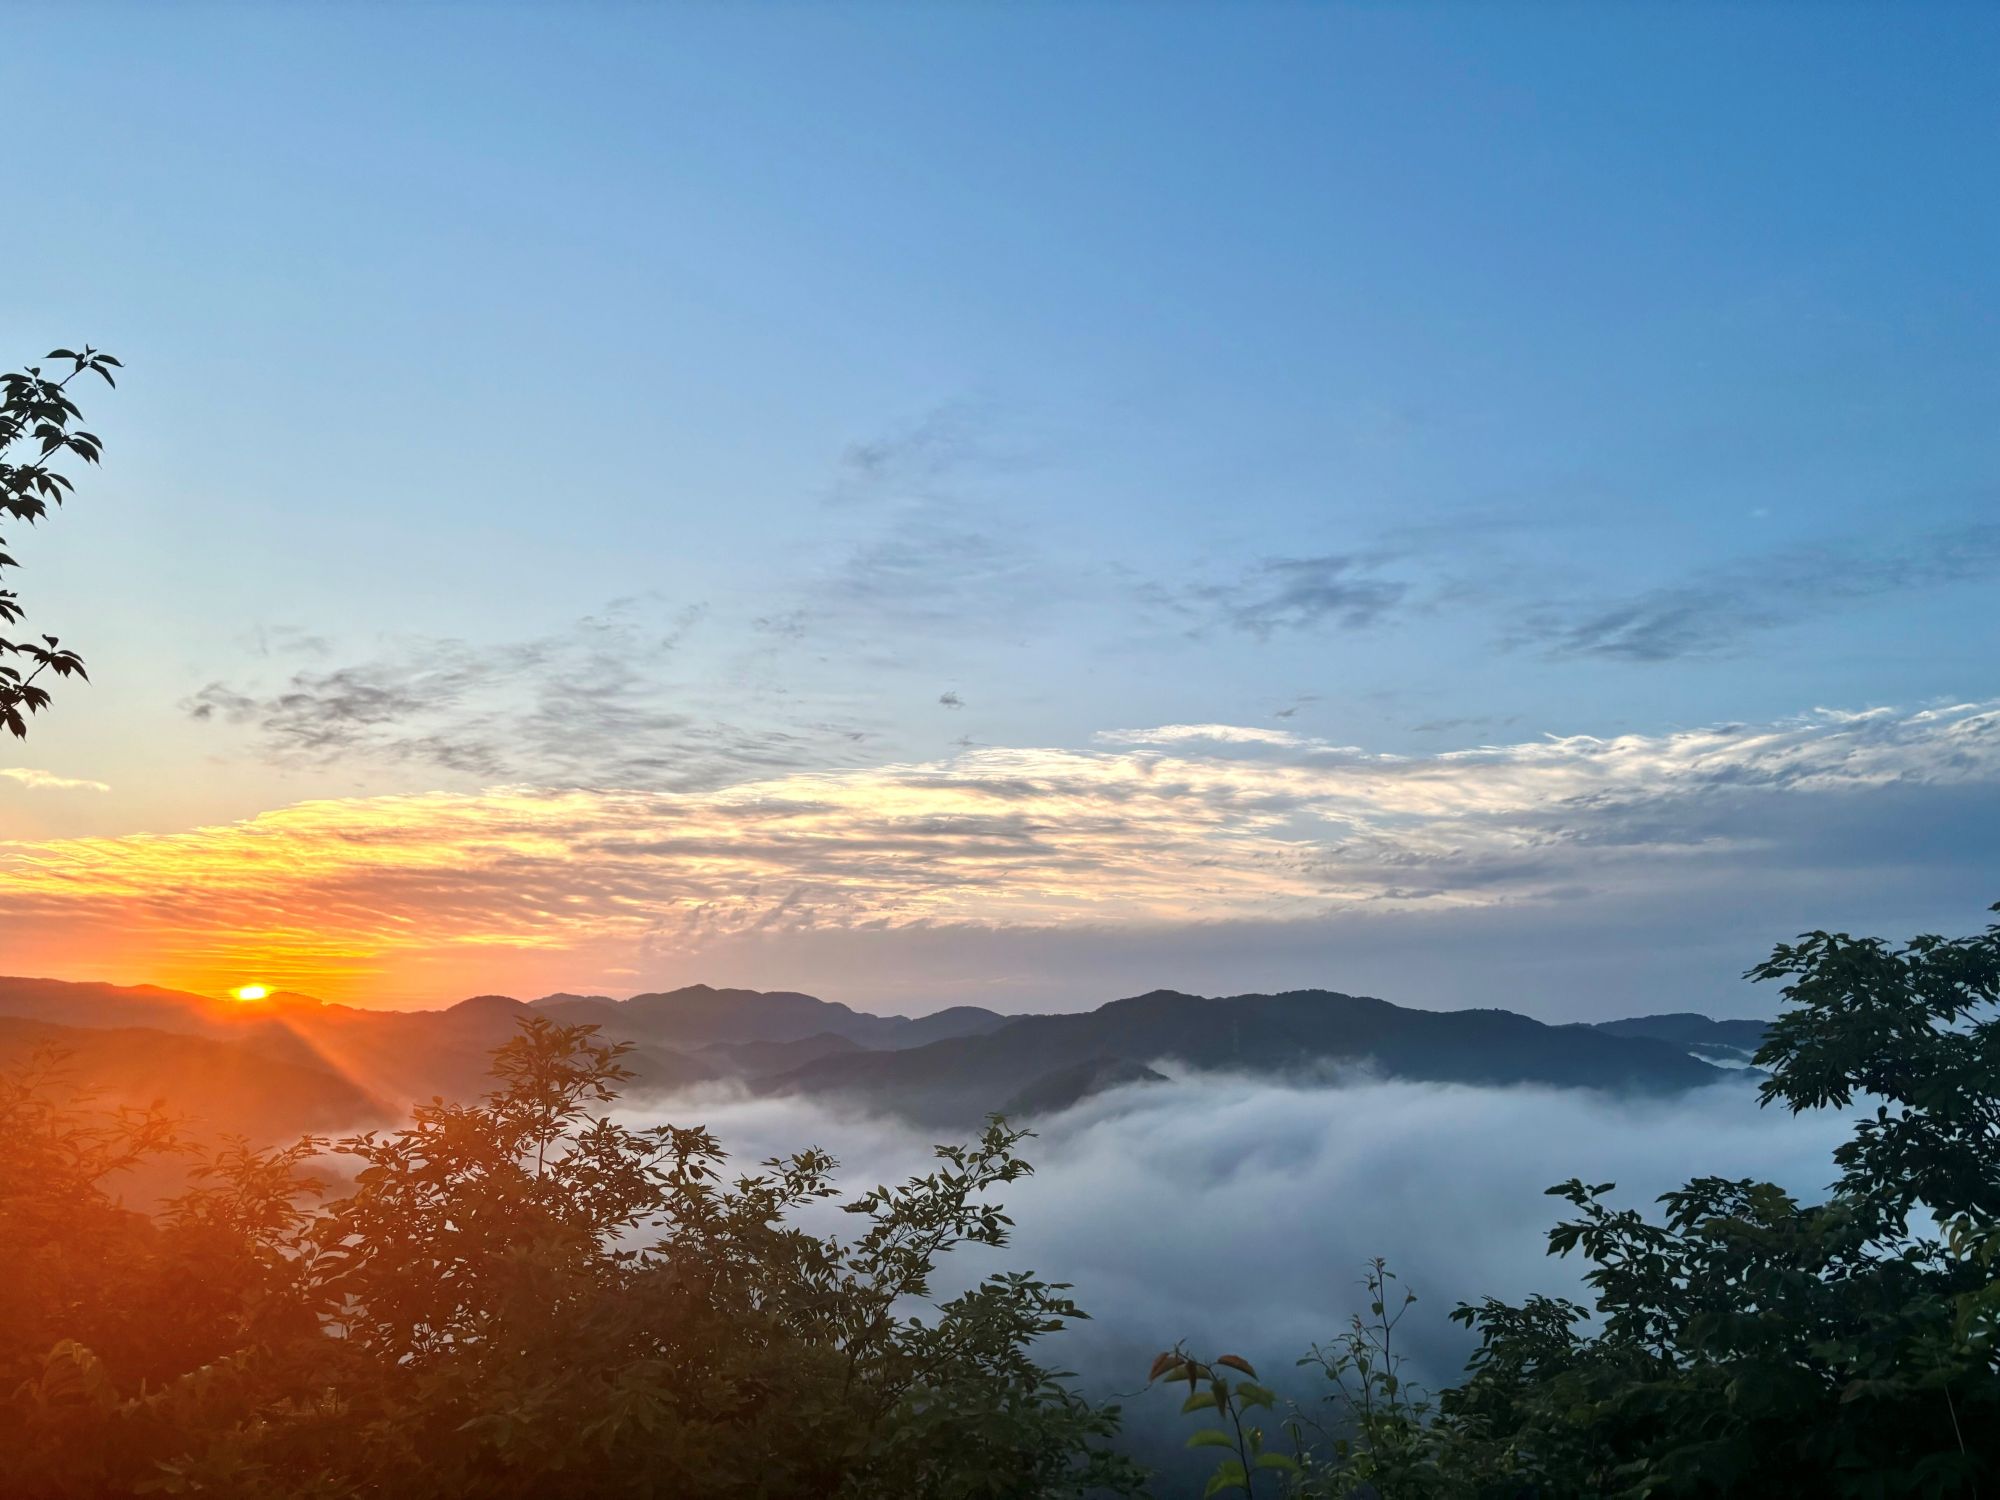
(918,549)
(1463,721)
(1711,612)
(931,458)
(935,568)
(1149,830)
(1342,591)
(599,703)
(48,781)
(1714,612)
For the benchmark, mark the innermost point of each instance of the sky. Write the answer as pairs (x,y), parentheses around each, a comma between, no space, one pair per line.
(1010,505)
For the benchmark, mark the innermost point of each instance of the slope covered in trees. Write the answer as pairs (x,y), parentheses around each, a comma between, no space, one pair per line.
(948,1070)
(1299,1033)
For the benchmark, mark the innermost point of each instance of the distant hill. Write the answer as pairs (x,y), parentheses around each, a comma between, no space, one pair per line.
(950,1068)
(761,1059)
(395,1057)
(1726,1041)
(405,1056)
(1065,1088)
(698,1015)
(222,1087)
(1295,1034)
(73,1004)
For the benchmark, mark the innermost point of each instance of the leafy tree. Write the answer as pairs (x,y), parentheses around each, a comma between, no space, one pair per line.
(1228,1387)
(107,1314)
(38,418)
(1378,1440)
(1752,1345)
(1383,1435)
(1742,1343)
(522,1297)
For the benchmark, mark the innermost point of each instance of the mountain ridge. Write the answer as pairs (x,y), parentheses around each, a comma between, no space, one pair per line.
(1731,1042)
(950,1068)
(1290,1033)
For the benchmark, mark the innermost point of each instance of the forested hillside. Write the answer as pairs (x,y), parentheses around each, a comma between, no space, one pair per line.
(949,1070)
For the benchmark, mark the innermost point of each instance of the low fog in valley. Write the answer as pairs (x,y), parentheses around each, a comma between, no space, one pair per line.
(1237,1213)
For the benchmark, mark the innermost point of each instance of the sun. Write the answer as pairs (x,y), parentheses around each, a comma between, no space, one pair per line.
(251,992)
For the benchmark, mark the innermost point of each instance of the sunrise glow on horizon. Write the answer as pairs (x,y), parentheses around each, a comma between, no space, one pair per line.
(424,900)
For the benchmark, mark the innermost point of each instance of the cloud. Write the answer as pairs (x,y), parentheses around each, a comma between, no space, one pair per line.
(1148,832)
(1237,1212)
(591,705)
(1711,614)
(1334,591)
(912,553)
(1471,721)
(285,640)
(1221,734)
(48,781)
(934,568)
(908,566)
(928,459)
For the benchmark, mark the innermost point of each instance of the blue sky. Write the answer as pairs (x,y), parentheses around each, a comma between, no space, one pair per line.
(671,398)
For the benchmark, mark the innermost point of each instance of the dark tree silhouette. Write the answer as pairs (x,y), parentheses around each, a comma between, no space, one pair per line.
(518,1298)
(1742,1343)
(39,420)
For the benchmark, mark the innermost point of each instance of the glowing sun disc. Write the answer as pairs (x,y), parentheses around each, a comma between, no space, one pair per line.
(251,992)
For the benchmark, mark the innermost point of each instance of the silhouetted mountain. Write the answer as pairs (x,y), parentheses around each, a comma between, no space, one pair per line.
(563,995)
(398,1057)
(85,1004)
(760,1059)
(223,1087)
(699,1015)
(1731,1041)
(489,1005)
(1295,1033)
(1055,1092)
(952,1067)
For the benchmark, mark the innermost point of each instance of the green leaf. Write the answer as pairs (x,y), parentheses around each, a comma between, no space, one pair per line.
(1228,1475)
(1283,1461)
(1211,1437)
(1199,1401)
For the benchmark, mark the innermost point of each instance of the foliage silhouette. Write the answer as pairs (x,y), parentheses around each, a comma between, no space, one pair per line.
(38,416)
(520,1297)
(1742,1343)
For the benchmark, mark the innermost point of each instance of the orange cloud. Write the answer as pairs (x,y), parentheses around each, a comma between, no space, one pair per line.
(404,895)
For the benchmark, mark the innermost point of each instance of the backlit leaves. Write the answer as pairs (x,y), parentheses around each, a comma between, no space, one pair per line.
(520,1297)
(37,426)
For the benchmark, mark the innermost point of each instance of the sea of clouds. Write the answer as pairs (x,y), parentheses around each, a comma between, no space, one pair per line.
(1238,1213)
